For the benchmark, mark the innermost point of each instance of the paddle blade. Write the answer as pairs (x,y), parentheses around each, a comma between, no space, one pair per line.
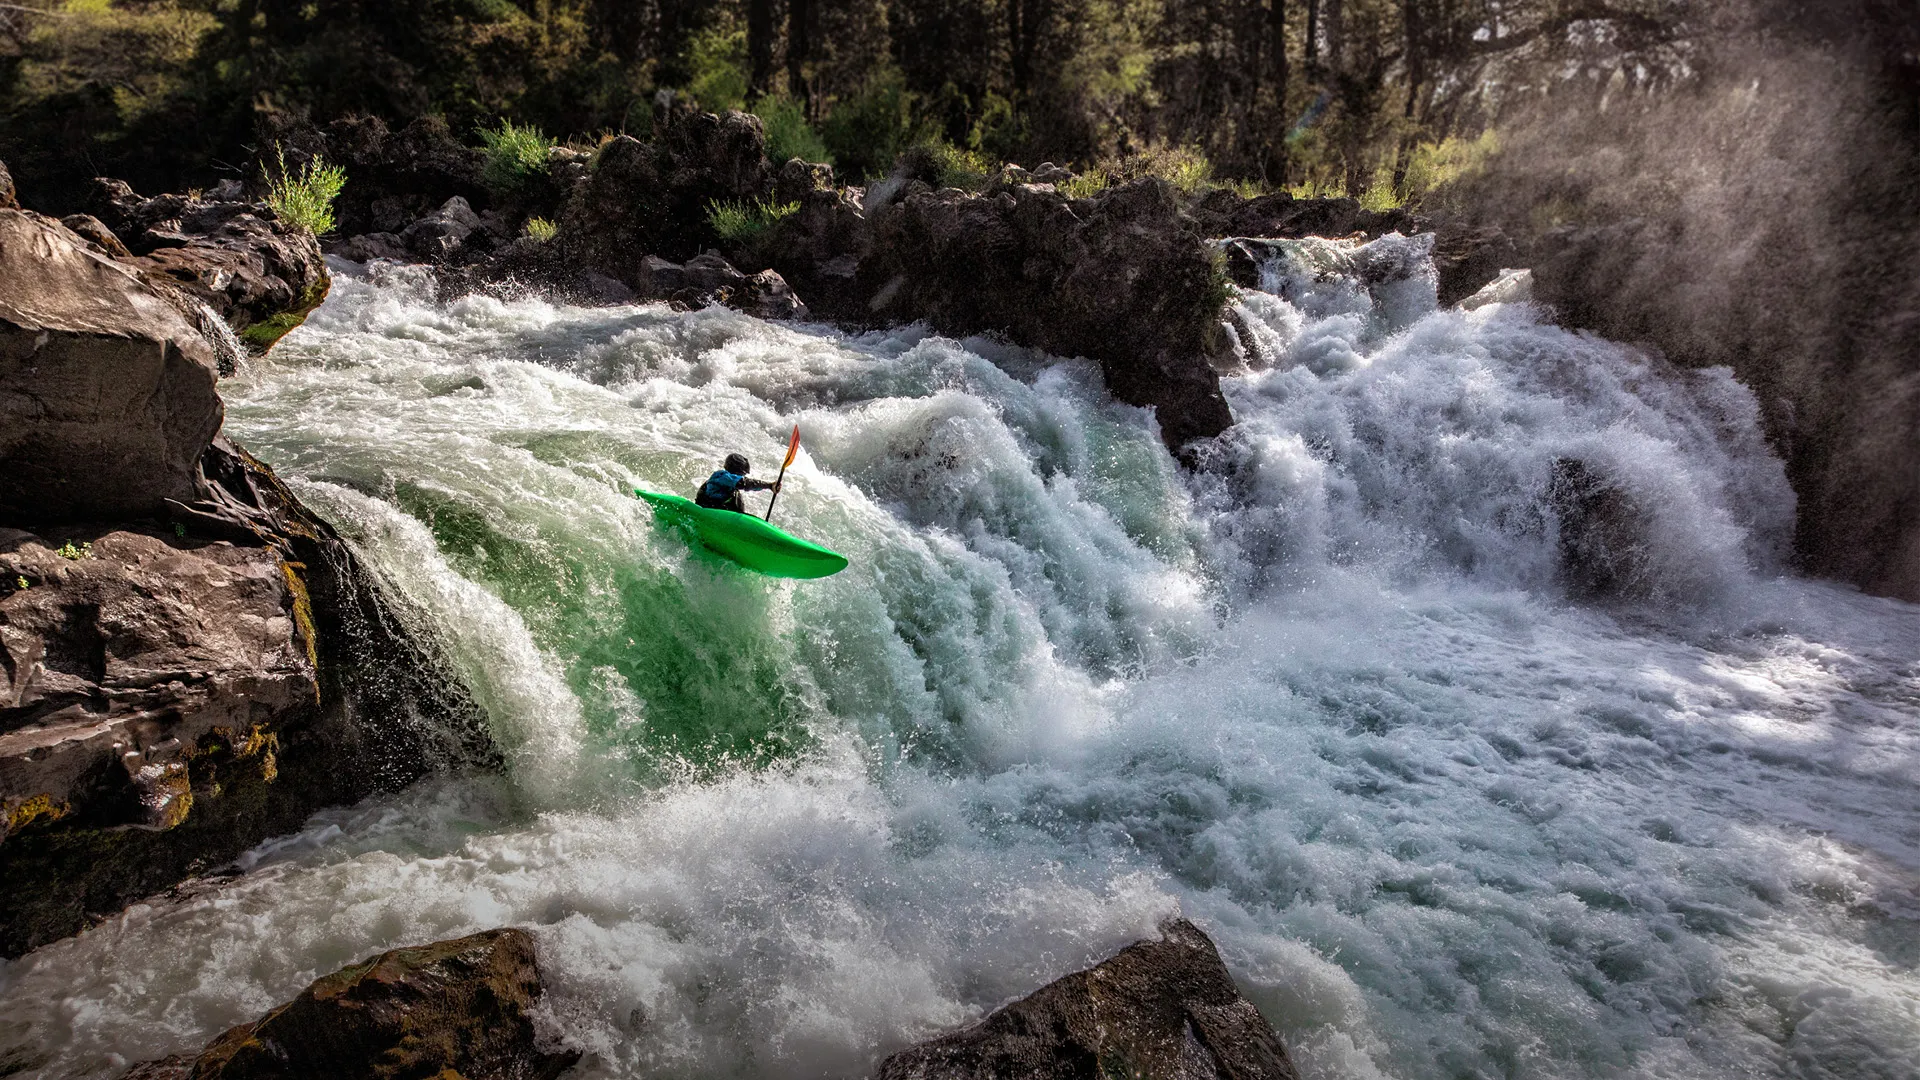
(793,447)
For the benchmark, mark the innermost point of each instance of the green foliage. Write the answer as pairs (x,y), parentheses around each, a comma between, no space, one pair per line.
(76,552)
(516,155)
(867,131)
(1087,184)
(1380,194)
(305,196)
(968,170)
(1432,167)
(179,530)
(789,135)
(1185,167)
(718,63)
(541,229)
(21,582)
(744,222)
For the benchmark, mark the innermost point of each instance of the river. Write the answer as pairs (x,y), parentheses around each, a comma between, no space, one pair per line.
(1331,696)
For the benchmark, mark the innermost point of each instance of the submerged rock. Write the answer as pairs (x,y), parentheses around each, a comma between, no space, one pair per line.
(106,388)
(460,1008)
(1165,1009)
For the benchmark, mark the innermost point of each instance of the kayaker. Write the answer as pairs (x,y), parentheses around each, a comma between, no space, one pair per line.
(722,489)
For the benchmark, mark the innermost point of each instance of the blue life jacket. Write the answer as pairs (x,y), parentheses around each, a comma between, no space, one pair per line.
(719,490)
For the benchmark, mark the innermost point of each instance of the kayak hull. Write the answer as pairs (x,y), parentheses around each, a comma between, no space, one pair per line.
(745,539)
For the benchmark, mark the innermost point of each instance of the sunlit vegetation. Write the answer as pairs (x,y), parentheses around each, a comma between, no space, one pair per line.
(305,195)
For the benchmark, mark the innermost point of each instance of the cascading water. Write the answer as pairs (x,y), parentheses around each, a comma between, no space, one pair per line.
(1333,696)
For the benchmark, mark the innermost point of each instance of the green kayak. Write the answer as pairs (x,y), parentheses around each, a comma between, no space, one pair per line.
(746,539)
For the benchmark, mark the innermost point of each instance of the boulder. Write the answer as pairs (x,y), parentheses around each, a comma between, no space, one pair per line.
(460,1008)
(106,389)
(171,695)
(441,234)
(653,198)
(1165,1009)
(397,177)
(1123,278)
(259,274)
(8,199)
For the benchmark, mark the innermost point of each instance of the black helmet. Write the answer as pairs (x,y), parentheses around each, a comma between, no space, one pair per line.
(737,463)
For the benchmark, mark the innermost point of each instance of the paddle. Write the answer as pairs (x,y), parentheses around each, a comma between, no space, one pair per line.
(793,449)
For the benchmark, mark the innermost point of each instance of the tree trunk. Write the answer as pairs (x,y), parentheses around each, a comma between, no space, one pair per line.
(760,35)
(798,50)
(1311,47)
(1336,32)
(1277,49)
(1019,47)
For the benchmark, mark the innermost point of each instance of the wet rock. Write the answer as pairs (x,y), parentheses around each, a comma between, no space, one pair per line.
(442,233)
(708,279)
(106,389)
(1469,259)
(1510,287)
(1602,532)
(1166,1009)
(1123,278)
(460,1008)
(371,246)
(259,274)
(172,694)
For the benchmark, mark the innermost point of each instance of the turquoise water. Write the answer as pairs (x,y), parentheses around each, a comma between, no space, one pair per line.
(1328,698)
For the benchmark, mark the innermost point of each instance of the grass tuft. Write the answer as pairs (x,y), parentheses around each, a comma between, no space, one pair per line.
(304,196)
(541,229)
(515,155)
(743,222)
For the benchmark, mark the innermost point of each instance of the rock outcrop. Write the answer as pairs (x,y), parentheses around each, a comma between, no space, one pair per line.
(1123,278)
(106,388)
(1165,1009)
(260,274)
(190,662)
(172,694)
(459,1008)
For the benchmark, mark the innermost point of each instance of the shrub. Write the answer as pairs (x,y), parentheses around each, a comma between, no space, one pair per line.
(789,135)
(968,170)
(541,229)
(76,552)
(515,155)
(743,222)
(304,197)
(718,59)
(1087,184)
(867,131)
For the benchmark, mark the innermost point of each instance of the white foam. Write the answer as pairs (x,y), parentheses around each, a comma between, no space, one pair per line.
(1332,702)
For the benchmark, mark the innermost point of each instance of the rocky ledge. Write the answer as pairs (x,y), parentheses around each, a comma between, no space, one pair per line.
(190,662)
(1166,1009)
(1126,276)
(460,1008)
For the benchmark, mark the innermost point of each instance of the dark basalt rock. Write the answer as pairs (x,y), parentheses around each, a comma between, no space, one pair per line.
(170,697)
(260,274)
(1165,1009)
(459,1008)
(106,387)
(1602,532)
(1123,278)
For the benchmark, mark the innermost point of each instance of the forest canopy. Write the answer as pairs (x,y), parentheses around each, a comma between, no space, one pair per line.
(1362,97)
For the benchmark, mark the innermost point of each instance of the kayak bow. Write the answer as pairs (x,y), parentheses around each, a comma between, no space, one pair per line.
(745,539)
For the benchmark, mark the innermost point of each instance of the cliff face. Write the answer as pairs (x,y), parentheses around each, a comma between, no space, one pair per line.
(190,662)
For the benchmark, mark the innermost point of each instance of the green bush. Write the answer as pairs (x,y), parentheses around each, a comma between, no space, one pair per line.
(867,131)
(968,170)
(744,222)
(718,59)
(305,196)
(1087,184)
(789,135)
(515,155)
(541,229)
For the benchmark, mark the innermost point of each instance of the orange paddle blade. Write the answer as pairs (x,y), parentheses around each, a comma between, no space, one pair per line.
(793,447)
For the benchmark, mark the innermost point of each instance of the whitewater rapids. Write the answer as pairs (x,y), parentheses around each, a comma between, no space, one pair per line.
(1330,697)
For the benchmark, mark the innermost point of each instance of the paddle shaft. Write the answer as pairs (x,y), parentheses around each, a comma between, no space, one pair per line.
(776,493)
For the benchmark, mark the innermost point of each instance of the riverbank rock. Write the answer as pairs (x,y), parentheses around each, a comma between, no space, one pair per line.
(1165,1009)
(259,274)
(172,694)
(1123,278)
(460,1008)
(106,388)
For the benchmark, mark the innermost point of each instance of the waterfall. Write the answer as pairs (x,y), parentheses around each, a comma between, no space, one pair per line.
(1352,695)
